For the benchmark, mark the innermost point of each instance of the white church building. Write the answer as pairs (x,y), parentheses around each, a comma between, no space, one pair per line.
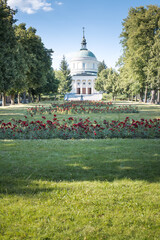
(84,68)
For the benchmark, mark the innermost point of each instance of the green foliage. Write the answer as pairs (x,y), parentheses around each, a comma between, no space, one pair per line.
(154,63)
(8,48)
(139,41)
(107,81)
(101,66)
(64,77)
(52,83)
(25,64)
(40,60)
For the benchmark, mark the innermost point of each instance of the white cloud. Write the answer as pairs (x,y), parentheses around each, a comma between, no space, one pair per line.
(58,3)
(30,6)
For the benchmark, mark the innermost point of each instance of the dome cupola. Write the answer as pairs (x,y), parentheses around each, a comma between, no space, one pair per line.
(84,62)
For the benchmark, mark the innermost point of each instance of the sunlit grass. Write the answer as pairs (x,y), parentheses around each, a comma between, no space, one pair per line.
(77,189)
(146,111)
(80,189)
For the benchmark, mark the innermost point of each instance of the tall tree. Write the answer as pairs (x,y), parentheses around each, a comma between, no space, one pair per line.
(38,59)
(127,81)
(101,80)
(138,36)
(64,77)
(154,69)
(101,66)
(51,86)
(107,81)
(8,48)
(22,59)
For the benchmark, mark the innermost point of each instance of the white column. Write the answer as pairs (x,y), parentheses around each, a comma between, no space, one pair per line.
(75,87)
(92,86)
(81,86)
(86,86)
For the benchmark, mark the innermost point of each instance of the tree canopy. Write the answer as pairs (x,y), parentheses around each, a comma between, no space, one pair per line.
(101,66)
(107,81)
(140,41)
(8,48)
(25,63)
(64,77)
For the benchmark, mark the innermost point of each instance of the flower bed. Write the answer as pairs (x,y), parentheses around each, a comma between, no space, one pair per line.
(74,128)
(84,103)
(81,108)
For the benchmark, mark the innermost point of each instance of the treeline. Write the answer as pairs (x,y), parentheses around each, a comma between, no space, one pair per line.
(139,66)
(25,63)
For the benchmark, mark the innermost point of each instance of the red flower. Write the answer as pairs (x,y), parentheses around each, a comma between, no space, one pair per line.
(49,122)
(70,118)
(135,125)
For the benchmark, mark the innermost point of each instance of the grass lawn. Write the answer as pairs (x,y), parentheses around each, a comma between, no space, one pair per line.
(80,189)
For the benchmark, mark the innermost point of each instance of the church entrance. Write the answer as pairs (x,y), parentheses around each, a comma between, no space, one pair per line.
(83,90)
(89,90)
(78,91)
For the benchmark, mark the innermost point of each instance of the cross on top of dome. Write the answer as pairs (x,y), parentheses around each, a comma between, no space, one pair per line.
(83,43)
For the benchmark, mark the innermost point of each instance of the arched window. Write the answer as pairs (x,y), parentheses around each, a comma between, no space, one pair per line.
(83,66)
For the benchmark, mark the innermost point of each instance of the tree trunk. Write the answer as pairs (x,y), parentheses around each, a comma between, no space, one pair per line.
(132,97)
(145,97)
(136,98)
(33,98)
(29,96)
(39,97)
(158,97)
(24,97)
(19,98)
(141,97)
(153,96)
(12,99)
(3,99)
(129,98)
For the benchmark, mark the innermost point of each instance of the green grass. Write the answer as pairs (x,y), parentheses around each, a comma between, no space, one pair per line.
(145,111)
(80,189)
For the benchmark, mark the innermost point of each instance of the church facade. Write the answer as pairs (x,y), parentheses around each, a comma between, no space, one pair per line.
(84,68)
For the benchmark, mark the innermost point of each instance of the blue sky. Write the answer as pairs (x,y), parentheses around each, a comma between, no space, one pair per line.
(59,24)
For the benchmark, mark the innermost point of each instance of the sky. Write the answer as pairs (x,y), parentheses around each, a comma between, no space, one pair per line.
(60,23)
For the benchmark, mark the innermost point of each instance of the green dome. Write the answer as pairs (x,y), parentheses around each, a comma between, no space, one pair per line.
(84,54)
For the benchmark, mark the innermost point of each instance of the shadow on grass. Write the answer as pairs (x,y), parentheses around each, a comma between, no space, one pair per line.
(24,163)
